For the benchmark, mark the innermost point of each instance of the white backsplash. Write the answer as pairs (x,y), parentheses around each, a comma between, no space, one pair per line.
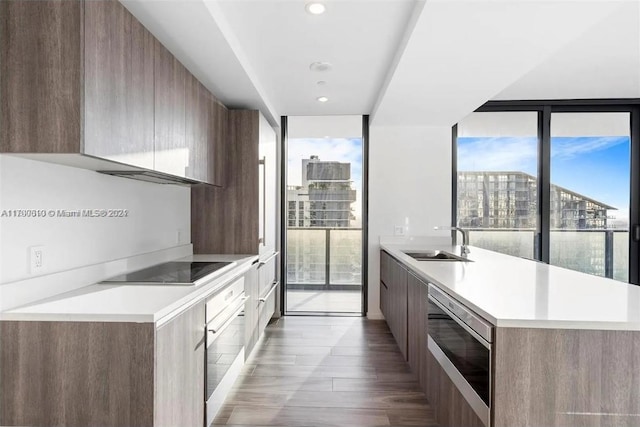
(409,190)
(416,241)
(158,219)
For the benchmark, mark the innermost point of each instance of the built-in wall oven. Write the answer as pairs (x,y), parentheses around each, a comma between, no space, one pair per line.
(225,337)
(461,343)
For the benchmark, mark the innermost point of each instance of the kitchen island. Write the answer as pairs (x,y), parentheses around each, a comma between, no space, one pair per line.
(564,347)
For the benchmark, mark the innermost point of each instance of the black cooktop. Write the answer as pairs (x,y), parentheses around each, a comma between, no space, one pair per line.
(170,273)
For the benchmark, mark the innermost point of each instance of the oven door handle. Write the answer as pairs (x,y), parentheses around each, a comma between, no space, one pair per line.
(236,312)
(455,318)
(462,313)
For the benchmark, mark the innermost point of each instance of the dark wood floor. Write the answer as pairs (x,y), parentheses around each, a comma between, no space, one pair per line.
(326,371)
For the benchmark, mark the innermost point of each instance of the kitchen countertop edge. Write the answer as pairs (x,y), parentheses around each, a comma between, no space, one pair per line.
(165,312)
(420,269)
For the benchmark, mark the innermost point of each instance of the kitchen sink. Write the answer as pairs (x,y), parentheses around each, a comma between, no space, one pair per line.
(435,256)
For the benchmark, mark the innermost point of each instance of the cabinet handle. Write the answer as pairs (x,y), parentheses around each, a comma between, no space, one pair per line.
(263,239)
(273,288)
(385,286)
(269,258)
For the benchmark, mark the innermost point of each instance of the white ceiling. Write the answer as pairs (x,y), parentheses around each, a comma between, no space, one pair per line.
(406,62)
(462,53)
(281,39)
(603,62)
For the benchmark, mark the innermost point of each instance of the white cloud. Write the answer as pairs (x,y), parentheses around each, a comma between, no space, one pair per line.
(498,154)
(567,148)
(521,153)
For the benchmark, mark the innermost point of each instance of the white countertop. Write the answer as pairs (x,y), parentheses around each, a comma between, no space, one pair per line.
(513,292)
(127,303)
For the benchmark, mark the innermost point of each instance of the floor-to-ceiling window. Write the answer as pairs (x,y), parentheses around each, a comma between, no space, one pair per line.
(324,215)
(554,182)
(590,192)
(497,181)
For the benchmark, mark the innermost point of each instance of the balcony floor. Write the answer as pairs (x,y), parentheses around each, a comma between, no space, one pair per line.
(324,301)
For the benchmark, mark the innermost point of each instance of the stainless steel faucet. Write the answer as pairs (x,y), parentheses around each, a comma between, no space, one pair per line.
(464,249)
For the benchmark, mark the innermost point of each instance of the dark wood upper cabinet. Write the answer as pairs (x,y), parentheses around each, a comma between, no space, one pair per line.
(206,133)
(119,85)
(40,76)
(227,220)
(171,151)
(86,80)
(218,139)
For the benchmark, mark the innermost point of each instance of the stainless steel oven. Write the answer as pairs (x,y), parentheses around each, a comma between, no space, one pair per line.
(225,337)
(461,343)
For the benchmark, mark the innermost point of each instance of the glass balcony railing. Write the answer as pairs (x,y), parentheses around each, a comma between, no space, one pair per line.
(324,258)
(600,252)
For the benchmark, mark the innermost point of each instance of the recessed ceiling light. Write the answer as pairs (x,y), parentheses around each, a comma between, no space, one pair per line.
(320,66)
(322,99)
(315,8)
(321,83)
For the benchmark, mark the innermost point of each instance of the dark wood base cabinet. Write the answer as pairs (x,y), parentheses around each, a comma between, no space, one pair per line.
(76,374)
(566,377)
(540,377)
(417,327)
(107,374)
(450,407)
(393,276)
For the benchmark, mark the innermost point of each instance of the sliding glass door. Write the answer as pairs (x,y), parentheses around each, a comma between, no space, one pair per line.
(324,215)
(497,181)
(556,182)
(590,193)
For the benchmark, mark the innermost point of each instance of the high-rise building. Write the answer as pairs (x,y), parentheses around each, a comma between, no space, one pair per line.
(509,199)
(316,209)
(324,199)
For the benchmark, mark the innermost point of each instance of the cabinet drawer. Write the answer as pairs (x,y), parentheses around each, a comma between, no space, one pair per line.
(268,306)
(219,301)
(383,300)
(267,275)
(385,261)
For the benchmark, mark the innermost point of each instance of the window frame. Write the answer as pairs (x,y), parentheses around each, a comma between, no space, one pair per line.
(545,108)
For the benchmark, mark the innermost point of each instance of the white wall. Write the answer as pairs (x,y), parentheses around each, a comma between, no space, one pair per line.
(409,185)
(324,126)
(156,213)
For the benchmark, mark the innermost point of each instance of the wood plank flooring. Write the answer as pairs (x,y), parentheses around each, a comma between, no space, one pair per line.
(326,372)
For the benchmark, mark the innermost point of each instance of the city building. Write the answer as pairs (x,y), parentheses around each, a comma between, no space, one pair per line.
(509,200)
(324,199)
(322,204)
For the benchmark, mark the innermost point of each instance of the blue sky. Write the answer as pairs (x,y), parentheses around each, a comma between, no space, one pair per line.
(347,150)
(597,167)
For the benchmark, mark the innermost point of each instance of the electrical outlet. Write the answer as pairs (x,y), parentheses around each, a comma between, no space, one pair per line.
(36,258)
(398,230)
